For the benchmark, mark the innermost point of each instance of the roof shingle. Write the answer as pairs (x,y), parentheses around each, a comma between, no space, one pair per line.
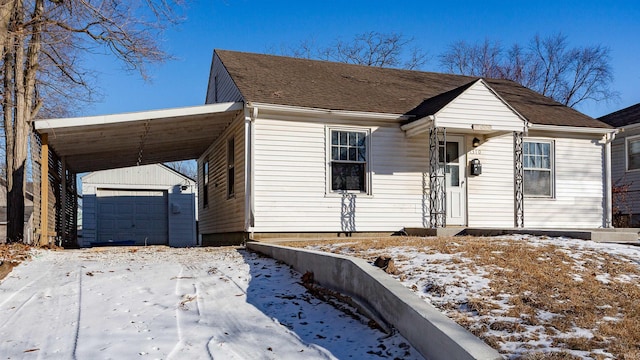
(338,86)
(623,117)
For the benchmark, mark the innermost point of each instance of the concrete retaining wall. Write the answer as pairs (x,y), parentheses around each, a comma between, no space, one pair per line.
(434,335)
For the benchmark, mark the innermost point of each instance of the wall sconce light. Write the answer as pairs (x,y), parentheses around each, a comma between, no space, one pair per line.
(475,142)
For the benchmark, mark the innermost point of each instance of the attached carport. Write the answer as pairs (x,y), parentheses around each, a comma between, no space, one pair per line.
(76,145)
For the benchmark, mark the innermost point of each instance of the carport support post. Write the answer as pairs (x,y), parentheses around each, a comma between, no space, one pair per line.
(44,190)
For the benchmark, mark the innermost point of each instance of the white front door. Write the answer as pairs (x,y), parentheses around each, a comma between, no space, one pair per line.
(455,180)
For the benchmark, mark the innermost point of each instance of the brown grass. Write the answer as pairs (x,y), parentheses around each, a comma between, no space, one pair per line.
(584,289)
(10,256)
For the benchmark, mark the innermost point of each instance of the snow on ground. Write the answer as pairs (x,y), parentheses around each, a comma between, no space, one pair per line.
(161,303)
(440,281)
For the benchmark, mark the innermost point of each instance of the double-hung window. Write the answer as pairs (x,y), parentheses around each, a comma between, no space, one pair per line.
(231,168)
(205,183)
(633,153)
(349,160)
(538,168)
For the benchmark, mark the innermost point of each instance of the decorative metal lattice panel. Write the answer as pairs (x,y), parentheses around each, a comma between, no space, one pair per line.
(437,184)
(518,179)
(348,213)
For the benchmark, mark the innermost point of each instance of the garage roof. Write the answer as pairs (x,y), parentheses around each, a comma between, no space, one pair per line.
(149,137)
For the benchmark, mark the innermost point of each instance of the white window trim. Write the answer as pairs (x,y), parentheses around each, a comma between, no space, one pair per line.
(626,152)
(552,159)
(368,183)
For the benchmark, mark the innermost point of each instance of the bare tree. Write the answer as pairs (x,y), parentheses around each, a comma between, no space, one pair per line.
(569,75)
(480,59)
(370,49)
(42,43)
(187,167)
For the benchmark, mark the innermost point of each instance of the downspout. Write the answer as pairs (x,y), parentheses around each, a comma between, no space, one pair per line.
(251,113)
(608,196)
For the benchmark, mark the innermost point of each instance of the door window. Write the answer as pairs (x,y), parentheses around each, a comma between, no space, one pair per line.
(451,162)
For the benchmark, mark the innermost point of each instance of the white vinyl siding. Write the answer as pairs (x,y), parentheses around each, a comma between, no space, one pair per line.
(490,195)
(290,186)
(135,176)
(221,87)
(478,106)
(578,188)
(224,214)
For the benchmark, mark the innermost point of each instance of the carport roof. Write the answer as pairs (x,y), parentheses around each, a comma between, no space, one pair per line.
(120,140)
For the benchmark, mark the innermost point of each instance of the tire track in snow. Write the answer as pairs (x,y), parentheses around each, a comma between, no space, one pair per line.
(192,335)
(63,313)
(19,294)
(55,305)
(79,307)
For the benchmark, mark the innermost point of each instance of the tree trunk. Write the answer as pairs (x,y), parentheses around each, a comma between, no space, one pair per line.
(15,127)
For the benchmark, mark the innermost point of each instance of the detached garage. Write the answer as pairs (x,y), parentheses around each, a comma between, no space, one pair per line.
(140,205)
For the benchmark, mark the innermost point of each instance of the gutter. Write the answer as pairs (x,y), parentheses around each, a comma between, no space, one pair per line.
(324,112)
(629,127)
(608,184)
(573,129)
(419,126)
(250,115)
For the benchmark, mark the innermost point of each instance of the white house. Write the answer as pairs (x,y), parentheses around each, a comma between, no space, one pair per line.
(625,160)
(291,146)
(335,148)
(140,205)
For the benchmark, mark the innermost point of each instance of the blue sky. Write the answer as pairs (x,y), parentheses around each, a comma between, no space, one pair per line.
(261,26)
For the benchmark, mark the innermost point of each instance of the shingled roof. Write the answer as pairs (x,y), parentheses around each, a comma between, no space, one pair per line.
(338,86)
(624,117)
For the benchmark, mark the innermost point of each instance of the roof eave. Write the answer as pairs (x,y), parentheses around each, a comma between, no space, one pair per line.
(630,127)
(46,125)
(572,129)
(324,112)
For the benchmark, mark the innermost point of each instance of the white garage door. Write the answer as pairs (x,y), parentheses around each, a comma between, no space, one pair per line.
(132,217)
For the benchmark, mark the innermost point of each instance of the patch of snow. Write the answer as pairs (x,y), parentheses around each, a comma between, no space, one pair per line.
(603,278)
(611,318)
(624,278)
(545,315)
(162,303)
(436,279)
